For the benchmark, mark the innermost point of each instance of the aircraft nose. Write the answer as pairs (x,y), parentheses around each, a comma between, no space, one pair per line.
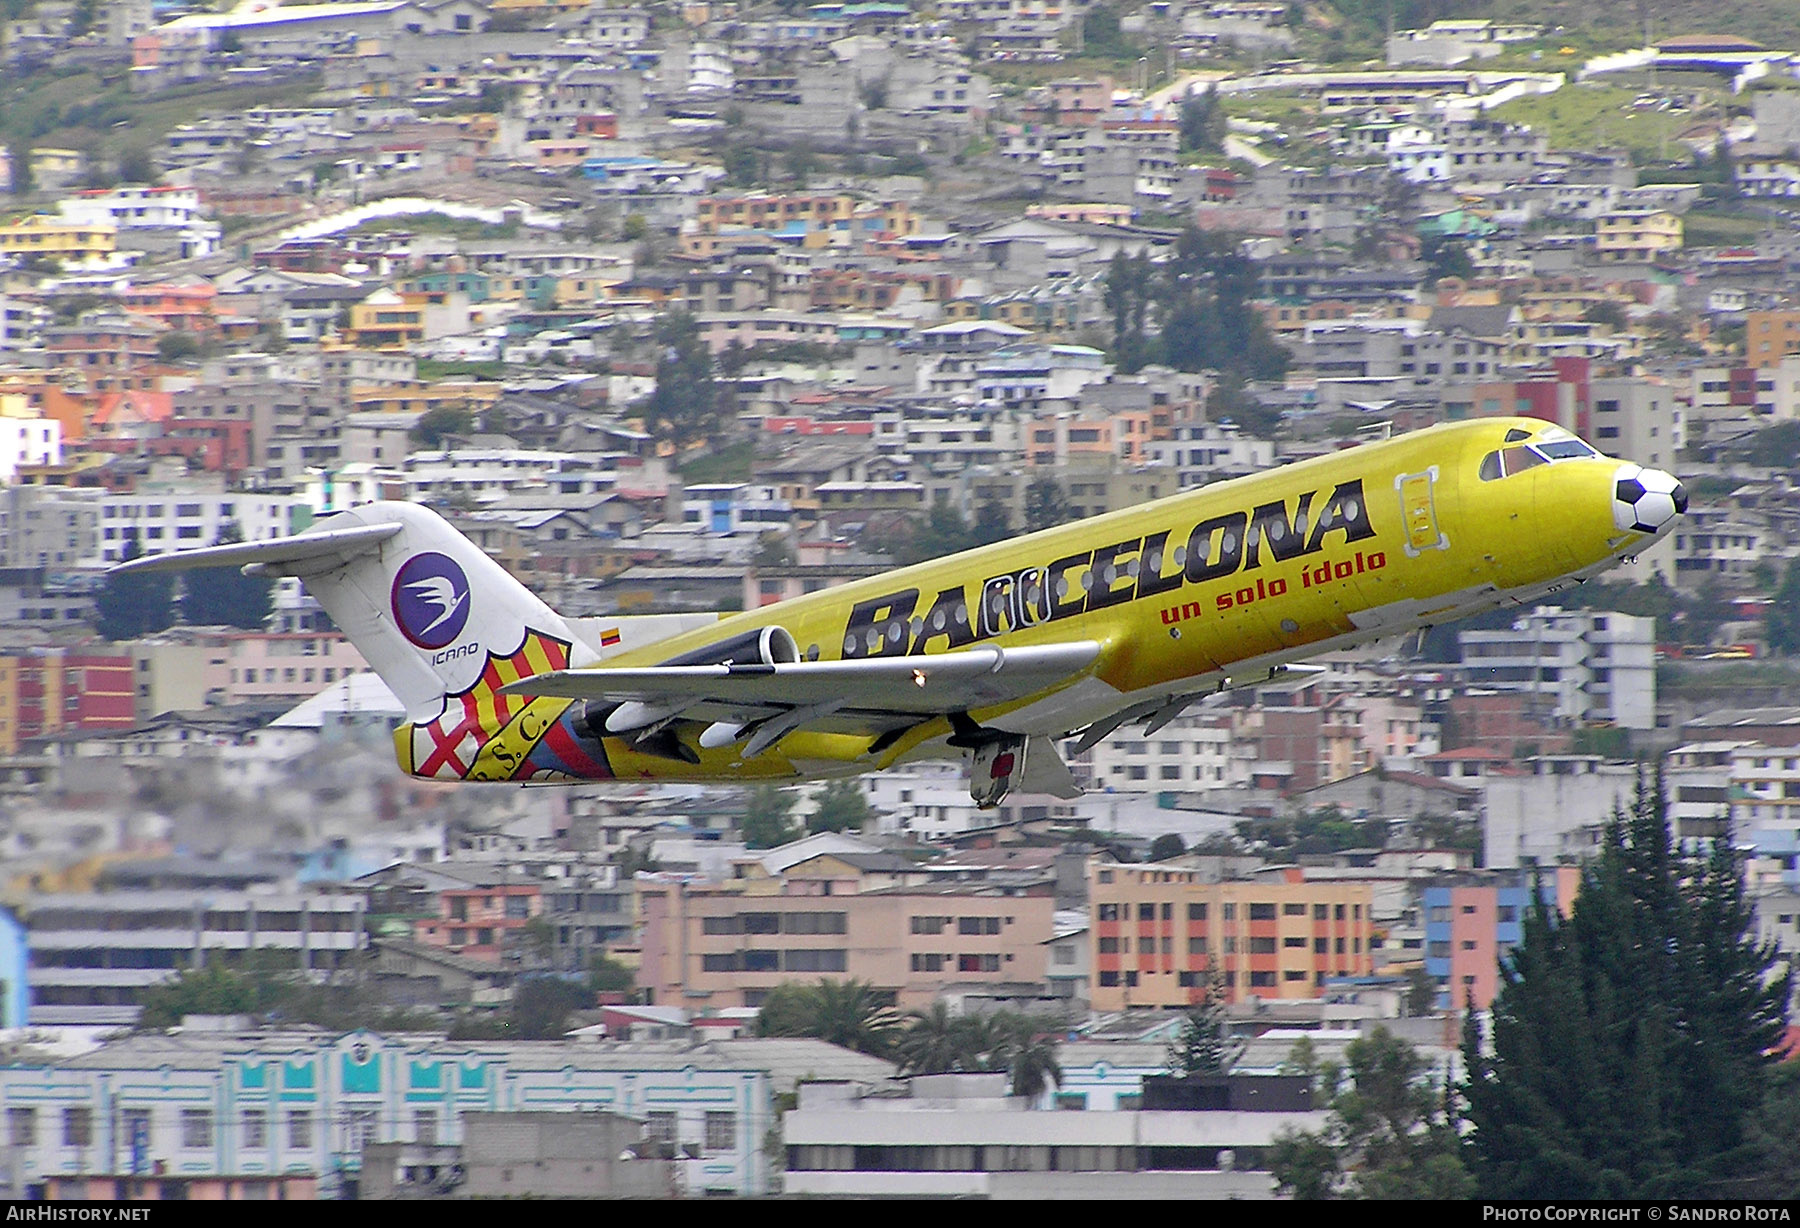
(1646,500)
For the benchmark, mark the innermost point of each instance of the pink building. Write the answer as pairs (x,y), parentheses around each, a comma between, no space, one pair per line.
(718,945)
(254,665)
(1469,928)
(480,922)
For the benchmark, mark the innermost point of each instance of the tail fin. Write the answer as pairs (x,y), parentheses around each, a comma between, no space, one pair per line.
(443,624)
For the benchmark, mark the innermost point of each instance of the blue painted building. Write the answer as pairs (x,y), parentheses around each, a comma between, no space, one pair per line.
(15,981)
(202,1103)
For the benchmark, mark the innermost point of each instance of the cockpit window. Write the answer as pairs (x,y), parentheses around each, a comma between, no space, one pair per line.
(1514,435)
(1555,446)
(1518,460)
(1561,449)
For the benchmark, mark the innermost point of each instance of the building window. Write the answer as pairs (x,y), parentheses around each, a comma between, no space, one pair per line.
(78,1126)
(1262,912)
(300,1131)
(721,1132)
(196,1128)
(660,1127)
(256,1128)
(21,1127)
(425,1127)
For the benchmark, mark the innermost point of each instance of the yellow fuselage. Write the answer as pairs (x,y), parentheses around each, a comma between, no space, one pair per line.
(1193,592)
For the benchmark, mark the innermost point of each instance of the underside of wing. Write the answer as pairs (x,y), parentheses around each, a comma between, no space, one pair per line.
(872,695)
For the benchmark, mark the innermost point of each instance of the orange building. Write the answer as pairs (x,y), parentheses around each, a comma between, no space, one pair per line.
(1770,335)
(1158,929)
(184,306)
(46,690)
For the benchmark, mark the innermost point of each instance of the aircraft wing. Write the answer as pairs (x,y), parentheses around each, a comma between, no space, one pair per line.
(871,695)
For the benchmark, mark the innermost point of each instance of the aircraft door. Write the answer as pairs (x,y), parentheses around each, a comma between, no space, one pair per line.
(1418,512)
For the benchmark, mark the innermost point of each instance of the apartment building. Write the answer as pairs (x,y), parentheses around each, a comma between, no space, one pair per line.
(1159,930)
(1636,235)
(93,954)
(1600,667)
(45,691)
(1471,925)
(161,521)
(722,946)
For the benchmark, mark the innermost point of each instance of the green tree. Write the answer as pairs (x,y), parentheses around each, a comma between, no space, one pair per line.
(1783,619)
(944,532)
(1203,124)
(140,603)
(934,1041)
(993,523)
(1632,1041)
(1421,993)
(1102,36)
(225,596)
(24,181)
(1203,1043)
(209,990)
(1388,1136)
(542,1005)
(1445,257)
(437,427)
(136,166)
(768,817)
(176,345)
(840,805)
(1046,506)
(1166,846)
(852,1014)
(608,975)
(684,408)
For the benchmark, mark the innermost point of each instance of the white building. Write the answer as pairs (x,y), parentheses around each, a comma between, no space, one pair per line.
(167,520)
(1600,666)
(1554,812)
(21,325)
(170,213)
(1203,452)
(94,953)
(27,440)
(962,1136)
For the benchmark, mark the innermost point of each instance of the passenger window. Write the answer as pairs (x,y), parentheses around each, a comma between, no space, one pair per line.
(1490,467)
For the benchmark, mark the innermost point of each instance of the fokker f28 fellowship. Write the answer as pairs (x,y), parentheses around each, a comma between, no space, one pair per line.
(992,655)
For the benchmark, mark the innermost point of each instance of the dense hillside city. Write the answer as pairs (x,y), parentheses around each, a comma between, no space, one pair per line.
(677,308)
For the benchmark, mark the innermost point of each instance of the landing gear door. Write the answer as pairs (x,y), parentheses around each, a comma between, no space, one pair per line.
(996,767)
(1418,512)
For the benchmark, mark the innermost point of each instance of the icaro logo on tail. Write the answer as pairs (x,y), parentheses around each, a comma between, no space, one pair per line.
(431,600)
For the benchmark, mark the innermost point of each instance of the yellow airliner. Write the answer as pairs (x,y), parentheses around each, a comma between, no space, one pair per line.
(992,655)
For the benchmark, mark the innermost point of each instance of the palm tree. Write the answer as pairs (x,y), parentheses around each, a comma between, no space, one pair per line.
(847,1013)
(1035,1068)
(854,1015)
(936,1042)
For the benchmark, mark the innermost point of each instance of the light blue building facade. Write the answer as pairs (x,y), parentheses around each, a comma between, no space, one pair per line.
(204,1103)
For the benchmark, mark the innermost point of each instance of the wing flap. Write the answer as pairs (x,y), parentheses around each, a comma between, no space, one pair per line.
(880,687)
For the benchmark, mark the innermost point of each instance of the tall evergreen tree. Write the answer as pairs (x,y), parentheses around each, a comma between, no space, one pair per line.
(225,596)
(684,407)
(1203,1043)
(137,604)
(1784,612)
(1631,1041)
